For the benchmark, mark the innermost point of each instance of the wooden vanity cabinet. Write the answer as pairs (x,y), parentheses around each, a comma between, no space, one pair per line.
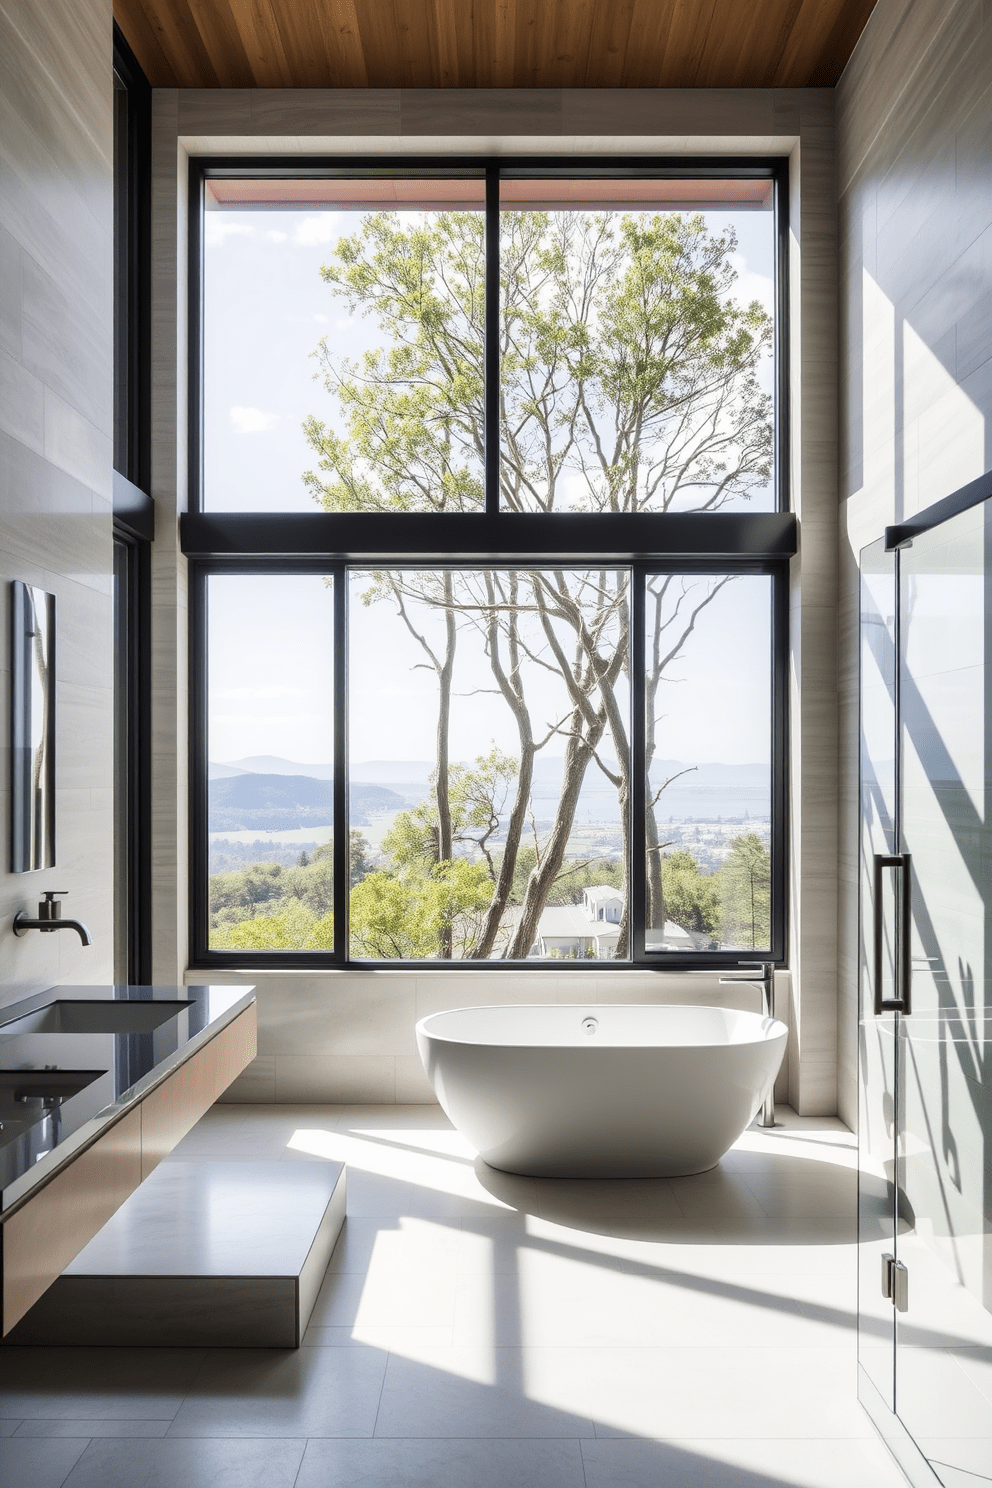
(49,1229)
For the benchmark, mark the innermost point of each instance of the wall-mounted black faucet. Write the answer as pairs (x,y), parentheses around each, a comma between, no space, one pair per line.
(50,918)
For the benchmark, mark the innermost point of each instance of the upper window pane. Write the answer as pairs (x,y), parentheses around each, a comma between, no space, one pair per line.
(342,344)
(636,344)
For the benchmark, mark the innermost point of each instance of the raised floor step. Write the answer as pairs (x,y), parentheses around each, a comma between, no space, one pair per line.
(223,1254)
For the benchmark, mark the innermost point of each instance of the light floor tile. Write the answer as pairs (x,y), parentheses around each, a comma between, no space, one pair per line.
(717,1195)
(381,1297)
(265,1393)
(701,1392)
(44,1462)
(245,1463)
(442,1464)
(477,1327)
(740,1463)
(960,1464)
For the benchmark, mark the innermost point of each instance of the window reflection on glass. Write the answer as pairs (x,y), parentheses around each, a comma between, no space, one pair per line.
(708,762)
(637,369)
(343,336)
(489,748)
(270,747)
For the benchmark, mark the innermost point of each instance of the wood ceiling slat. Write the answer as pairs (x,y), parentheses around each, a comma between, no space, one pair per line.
(492,43)
(752,49)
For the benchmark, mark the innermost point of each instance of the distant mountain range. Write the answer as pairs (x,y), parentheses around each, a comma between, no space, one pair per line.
(268,793)
(279,803)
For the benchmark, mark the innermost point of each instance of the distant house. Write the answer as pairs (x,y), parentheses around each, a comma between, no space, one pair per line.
(591,929)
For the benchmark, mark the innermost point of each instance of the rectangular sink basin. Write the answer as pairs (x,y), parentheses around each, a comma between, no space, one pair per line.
(24,1092)
(85,1016)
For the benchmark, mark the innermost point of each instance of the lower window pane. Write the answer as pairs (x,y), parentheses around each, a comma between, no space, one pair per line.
(708,762)
(270,748)
(489,748)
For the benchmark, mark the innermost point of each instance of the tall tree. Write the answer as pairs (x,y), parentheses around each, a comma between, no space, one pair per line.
(630,381)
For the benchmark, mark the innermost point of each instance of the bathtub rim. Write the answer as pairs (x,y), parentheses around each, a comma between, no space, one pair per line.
(767,1029)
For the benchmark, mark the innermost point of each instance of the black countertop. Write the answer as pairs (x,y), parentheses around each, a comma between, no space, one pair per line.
(61,1084)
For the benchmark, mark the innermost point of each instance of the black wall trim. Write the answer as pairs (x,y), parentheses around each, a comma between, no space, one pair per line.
(480,538)
(134,510)
(973,494)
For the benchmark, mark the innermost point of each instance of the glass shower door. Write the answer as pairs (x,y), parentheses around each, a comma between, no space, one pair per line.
(879,941)
(943,1322)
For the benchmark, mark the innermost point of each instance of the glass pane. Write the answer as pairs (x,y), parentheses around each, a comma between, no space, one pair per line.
(270,748)
(489,748)
(708,762)
(343,333)
(636,340)
(876,1041)
(944,1338)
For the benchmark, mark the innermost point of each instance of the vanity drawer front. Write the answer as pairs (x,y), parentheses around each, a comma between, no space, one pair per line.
(51,1229)
(176,1105)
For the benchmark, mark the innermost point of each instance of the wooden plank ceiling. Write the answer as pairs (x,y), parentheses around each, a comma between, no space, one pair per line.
(492,43)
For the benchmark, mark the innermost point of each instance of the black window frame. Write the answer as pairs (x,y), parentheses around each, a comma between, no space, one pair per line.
(133,514)
(331,544)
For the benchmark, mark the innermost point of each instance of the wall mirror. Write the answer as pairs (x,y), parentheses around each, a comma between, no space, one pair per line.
(32,752)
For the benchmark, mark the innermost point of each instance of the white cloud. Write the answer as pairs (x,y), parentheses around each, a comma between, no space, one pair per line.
(751,285)
(274,236)
(217,229)
(322,228)
(252,420)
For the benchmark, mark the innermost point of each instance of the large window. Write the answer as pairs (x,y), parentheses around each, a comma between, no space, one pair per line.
(489,566)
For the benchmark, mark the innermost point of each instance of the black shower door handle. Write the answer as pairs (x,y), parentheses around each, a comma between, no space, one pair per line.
(897,863)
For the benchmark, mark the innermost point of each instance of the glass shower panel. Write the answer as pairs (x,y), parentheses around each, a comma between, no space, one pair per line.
(943,1391)
(876,1186)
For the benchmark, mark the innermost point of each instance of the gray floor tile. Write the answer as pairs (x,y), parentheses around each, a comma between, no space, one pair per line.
(201,1464)
(99,1383)
(9,1426)
(90,1428)
(742,1463)
(444,1399)
(442,1464)
(27,1462)
(265,1392)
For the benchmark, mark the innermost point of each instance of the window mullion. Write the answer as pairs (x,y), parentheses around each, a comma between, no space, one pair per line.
(342,834)
(491,431)
(636,867)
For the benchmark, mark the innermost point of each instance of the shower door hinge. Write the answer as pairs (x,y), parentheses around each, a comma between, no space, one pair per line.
(895,1282)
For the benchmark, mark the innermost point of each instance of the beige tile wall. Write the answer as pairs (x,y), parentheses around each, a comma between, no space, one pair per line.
(338,1036)
(914,129)
(56,427)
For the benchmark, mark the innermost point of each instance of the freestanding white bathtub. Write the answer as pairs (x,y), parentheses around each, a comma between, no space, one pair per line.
(605,1090)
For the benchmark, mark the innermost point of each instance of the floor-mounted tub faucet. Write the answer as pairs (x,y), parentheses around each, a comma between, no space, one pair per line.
(765,980)
(50,918)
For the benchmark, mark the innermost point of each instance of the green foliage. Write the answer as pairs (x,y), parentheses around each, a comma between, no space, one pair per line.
(745,894)
(692,898)
(629,373)
(412,410)
(267,907)
(405,919)
(293,928)
(476,797)
(259,883)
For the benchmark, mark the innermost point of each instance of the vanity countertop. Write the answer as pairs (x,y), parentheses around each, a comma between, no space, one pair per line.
(41,1047)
